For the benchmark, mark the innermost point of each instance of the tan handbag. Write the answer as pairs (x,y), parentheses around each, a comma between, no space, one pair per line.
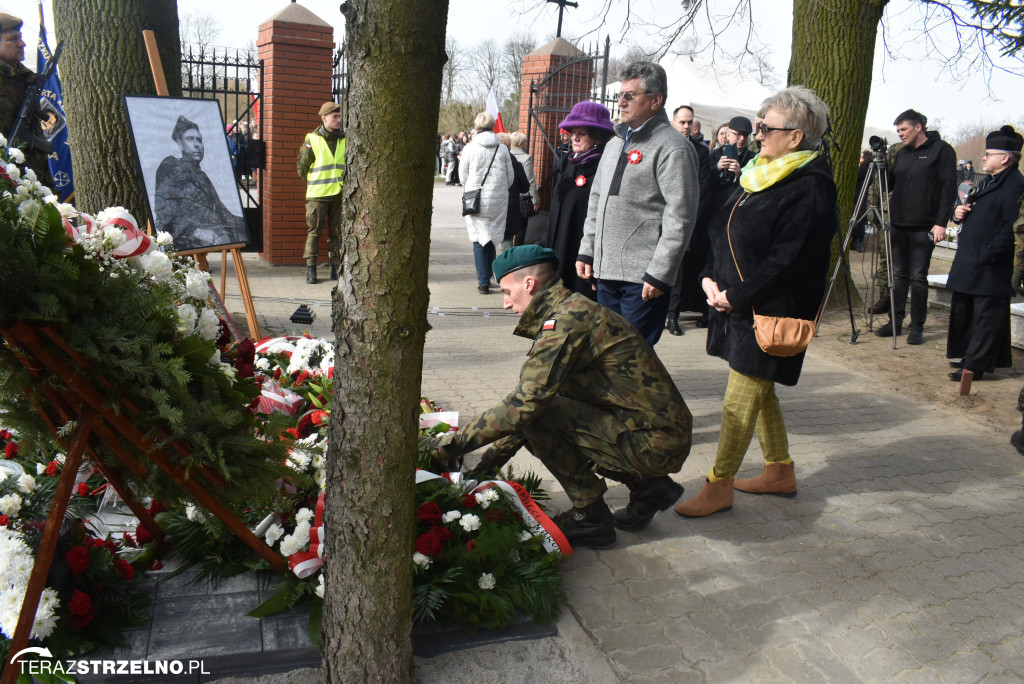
(776,335)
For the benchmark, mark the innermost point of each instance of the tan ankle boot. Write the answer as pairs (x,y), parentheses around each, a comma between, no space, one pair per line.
(777,478)
(714,497)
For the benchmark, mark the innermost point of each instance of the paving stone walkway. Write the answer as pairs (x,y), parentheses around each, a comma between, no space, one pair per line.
(900,559)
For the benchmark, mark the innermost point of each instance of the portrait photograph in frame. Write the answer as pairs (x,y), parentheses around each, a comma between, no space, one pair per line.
(182,152)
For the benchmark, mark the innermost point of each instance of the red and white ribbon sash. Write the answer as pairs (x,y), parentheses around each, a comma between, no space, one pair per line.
(305,563)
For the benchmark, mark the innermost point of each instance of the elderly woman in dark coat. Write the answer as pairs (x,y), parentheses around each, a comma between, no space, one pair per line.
(776,231)
(590,127)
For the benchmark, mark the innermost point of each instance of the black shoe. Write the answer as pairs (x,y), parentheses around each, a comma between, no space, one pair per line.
(880,307)
(311,275)
(673,326)
(956,364)
(646,498)
(702,322)
(484,289)
(886,330)
(958,374)
(1017,440)
(915,337)
(334,271)
(590,526)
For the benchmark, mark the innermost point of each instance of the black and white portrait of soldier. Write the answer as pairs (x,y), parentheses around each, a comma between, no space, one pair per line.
(192,191)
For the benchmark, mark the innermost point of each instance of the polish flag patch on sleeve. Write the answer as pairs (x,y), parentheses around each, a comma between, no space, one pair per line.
(548,324)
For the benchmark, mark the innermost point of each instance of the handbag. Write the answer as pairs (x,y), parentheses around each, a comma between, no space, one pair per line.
(777,335)
(526,206)
(471,198)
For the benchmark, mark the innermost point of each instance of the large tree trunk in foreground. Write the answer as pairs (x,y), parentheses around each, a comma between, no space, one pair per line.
(105,58)
(833,53)
(395,54)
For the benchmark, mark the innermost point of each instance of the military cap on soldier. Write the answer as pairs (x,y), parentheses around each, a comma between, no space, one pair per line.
(9,22)
(520,257)
(1004,139)
(181,126)
(328,107)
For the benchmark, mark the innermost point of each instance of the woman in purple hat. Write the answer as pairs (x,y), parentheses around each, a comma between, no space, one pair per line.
(590,127)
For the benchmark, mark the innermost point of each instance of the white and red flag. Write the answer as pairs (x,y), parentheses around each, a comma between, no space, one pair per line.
(492,109)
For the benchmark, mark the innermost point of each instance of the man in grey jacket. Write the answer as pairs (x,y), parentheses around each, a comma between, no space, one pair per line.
(642,206)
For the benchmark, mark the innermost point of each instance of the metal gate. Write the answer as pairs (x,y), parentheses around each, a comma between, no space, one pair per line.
(235,79)
(552,98)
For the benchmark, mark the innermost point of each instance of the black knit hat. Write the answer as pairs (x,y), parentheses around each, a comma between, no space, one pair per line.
(1004,139)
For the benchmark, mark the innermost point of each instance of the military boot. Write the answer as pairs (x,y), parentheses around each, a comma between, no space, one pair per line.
(1017,439)
(334,271)
(591,525)
(647,496)
(311,274)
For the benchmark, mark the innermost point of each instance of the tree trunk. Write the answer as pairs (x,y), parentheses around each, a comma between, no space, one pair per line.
(395,53)
(104,58)
(161,17)
(833,53)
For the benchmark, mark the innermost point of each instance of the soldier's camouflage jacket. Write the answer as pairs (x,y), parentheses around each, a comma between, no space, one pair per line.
(588,353)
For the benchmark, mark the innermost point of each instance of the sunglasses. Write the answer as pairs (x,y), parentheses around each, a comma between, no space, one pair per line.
(630,96)
(762,129)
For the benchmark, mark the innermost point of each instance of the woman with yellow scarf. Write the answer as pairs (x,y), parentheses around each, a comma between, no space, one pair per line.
(770,253)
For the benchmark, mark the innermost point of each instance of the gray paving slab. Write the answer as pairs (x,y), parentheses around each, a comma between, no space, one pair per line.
(899,559)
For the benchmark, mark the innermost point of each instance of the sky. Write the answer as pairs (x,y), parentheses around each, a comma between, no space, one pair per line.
(909,81)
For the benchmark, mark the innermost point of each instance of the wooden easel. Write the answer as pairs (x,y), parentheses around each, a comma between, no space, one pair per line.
(200,254)
(46,356)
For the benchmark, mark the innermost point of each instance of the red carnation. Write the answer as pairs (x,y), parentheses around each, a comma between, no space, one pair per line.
(441,532)
(5,433)
(277,373)
(320,417)
(468,501)
(223,333)
(125,568)
(142,535)
(471,546)
(330,372)
(156,565)
(5,521)
(10,450)
(246,358)
(51,469)
(429,513)
(289,433)
(300,377)
(80,607)
(78,559)
(304,426)
(156,507)
(428,544)
(83,489)
(494,515)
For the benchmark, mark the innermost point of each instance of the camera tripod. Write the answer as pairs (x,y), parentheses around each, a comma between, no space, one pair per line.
(878,215)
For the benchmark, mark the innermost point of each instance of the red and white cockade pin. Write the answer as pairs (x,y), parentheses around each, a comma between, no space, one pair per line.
(635,157)
(581,180)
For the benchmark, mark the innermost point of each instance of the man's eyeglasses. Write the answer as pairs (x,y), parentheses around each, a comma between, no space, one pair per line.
(992,154)
(629,96)
(762,129)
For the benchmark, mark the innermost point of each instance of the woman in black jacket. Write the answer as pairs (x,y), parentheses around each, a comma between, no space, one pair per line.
(776,231)
(590,127)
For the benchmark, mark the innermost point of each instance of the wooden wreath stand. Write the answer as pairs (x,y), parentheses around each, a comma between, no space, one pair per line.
(46,356)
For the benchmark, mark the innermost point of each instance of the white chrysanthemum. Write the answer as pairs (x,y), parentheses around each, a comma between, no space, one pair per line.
(13,172)
(43,191)
(26,206)
(113,237)
(262,363)
(26,483)
(292,544)
(10,505)
(304,515)
(421,560)
(299,459)
(469,522)
(208,327)
(486,497)
(273,533)
(15,569)
(157,264)
(30,176)
(486,581)
(3,140)
(450,515)
(327,363)
(40,469)
(163,238)
(196,284)
(193,513)
(61,458)
(22,193)
(320,586)
(16,155)
(186,319)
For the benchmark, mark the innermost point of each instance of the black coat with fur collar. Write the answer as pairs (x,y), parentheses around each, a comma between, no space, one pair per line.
(782,238)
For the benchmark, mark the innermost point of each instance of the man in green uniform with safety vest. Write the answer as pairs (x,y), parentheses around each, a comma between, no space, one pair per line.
(593,398)
(322,163)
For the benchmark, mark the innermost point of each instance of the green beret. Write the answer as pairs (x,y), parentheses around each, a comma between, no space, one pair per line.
(520,257)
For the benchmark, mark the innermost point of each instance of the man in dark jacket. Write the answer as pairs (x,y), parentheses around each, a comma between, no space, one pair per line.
(923,182)
(980,278)
(14,82)
(593,398)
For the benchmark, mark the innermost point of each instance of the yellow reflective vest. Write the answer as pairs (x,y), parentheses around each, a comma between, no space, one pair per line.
(326,175)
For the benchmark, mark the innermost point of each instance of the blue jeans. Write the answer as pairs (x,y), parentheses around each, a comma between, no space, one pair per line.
(483,255)
(626,299)
(911,256)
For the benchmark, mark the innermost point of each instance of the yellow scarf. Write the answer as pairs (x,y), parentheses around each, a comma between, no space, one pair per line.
(760,174)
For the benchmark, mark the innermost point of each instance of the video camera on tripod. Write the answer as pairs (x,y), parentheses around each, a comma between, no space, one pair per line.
(879,147)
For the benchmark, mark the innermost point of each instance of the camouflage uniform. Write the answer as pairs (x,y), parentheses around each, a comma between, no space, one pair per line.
(592,396)
(14,83)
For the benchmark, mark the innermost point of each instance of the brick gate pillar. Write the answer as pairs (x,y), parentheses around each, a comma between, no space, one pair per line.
(297,49)
(552,102)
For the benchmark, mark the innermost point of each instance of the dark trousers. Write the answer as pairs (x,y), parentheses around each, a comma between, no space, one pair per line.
(483,256)
(626,299)
(910,259)
(979,332)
